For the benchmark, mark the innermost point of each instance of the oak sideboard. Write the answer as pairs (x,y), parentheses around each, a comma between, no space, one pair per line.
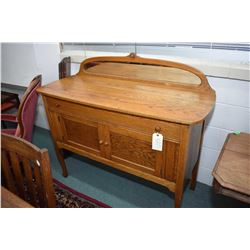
(115,108)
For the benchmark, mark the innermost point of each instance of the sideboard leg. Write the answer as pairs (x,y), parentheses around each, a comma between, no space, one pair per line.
(60,157)
(194,176)
(178,199)
(182,163)
(196,166)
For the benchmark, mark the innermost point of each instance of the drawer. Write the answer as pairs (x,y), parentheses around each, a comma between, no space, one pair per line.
(170,131)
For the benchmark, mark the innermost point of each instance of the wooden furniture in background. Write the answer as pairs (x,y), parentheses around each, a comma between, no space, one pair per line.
(9,101)
(111,108)
(232,170)
(26,112)
(10,200)
(64,67)
(26,171)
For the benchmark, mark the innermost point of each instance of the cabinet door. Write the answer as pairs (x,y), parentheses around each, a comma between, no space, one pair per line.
(81,133)
(134,149)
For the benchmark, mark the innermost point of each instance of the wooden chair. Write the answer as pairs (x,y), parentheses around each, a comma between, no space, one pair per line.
(64,67)
(26,113)
(26,171)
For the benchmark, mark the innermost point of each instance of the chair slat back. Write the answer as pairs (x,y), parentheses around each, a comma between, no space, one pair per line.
(26,171)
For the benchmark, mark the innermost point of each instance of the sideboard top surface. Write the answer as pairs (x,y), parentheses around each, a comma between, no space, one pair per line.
(161,90)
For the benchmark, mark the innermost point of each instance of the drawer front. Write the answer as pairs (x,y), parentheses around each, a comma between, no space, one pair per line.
(170,131)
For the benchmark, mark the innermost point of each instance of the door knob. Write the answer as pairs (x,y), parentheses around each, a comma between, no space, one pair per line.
(158,129)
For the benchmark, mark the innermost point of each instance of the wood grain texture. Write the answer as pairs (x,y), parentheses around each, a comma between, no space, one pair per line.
(229,192)
(163,101)
(146,72)
(134,150)
(232,170)
(10,200)
(82,113)
(182,163)
(26,171)
(172,155)
(110,109)
(82,133)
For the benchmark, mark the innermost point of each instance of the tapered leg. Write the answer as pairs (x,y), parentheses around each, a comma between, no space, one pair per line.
(60,157)
(194,176)
(182,163)
(178,199)
(196,167)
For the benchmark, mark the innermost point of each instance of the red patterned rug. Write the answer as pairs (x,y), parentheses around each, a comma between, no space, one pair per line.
(67,197)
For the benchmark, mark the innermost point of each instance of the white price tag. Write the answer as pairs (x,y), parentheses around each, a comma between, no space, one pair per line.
(157,141)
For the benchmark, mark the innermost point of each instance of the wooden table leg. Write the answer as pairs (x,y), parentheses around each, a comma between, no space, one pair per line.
(60,157)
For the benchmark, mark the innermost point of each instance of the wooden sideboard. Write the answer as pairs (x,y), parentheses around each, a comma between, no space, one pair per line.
(111,108)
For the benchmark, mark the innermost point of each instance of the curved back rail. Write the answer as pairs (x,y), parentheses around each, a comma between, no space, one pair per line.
(134,59)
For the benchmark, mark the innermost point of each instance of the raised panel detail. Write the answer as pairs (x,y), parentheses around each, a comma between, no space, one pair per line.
(83,134)
(135,152)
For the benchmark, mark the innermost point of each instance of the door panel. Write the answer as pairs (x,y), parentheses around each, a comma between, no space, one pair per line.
(123,145)
(83,134)
(134,149)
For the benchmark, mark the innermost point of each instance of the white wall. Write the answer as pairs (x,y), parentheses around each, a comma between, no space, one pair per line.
(18,63)
(47,56)
(22,61)
(213,62)
(231,113)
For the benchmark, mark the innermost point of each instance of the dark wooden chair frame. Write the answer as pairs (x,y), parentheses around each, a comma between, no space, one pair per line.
(26,171)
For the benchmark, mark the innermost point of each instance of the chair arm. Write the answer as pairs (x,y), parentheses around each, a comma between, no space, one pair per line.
(9,118)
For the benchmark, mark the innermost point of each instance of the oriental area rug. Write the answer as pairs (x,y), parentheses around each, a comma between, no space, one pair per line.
(67,197)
